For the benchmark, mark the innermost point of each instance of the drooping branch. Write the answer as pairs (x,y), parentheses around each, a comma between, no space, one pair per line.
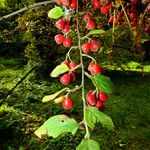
(26,8)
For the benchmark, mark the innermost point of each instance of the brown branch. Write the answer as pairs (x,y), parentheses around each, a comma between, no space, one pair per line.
(26,8)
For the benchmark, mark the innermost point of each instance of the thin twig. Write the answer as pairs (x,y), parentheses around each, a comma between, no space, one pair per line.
(26,8)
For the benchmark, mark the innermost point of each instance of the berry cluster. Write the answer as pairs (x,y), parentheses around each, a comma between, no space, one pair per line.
(70,76)
(96,99)
(71,4)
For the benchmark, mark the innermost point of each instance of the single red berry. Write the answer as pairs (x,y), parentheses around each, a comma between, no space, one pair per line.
(132,16)
(134,23)
(60,24)
(104,11)
(67,103)
(102,97)
(134,10)
(90,25)
(65,62)
(91,65)
(90,98)
(72,65)
(72,76)
(67,42)
(59,38)
(66,29)
(95,46)
(66,3)
(87,18)
(119,16)
(96,69)
(65,79)
(96,4)
(73,4)
(135,2)
(86,47)
(99,104)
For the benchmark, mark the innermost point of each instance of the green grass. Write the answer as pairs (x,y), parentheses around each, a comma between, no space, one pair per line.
(128,107)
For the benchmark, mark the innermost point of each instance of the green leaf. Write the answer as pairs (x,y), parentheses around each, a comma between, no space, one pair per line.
(52,96)
(100,31)
(102,83)
(57,125)
(93,115)
(60,69)
(88,145)
(55,13)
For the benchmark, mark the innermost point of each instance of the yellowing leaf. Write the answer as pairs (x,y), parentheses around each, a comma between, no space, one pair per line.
(60,69)
(57,125)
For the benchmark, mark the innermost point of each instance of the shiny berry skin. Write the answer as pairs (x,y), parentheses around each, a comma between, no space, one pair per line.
(90,25)
(134,23)
(67,42)
(132,16)
(90,98)
(99,104)
(72,65)
(102,97)
(86,47)
(65,62)
(67,103)
(59,38)
(66,29)
(96,4)
(86,18)
(96,69)
(104,11)
(60,24)
(91,65)
(66,3)
(72,76)
(73,4)
(95,46)
(65,79)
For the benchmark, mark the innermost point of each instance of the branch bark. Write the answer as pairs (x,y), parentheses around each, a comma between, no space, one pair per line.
(26,8)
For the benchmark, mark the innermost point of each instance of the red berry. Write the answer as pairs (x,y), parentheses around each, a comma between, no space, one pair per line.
(96,69)
(96,4)
(72,76)
(86,47)
(67,42)
(67,103)
(59,38)
(90,25)
(91,65)
(67,21)
(73,4)
(102,97)
(65,62)
(66,3)
(95,46)
(134,23)
(66,29)
(104,11)
(135,2)
(72,65)
(99,104)
(132,16)
(60,24)
(102,107)
(65,79)
(90,98)
(86,18)
(134,10)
